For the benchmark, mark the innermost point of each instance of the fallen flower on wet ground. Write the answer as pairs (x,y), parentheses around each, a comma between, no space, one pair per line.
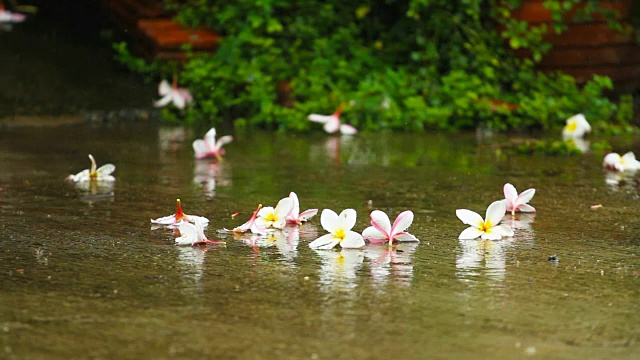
(209,147)
(487,229)
(180,97)
(382,231)
(179,217)
(577,127)
(250,225)
(193,234)
(514,202)
(626,162)
(295,216)
(332,123)
(103,173)
(270,217)
(339,228)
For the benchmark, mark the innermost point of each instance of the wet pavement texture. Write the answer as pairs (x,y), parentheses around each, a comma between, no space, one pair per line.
(83,275)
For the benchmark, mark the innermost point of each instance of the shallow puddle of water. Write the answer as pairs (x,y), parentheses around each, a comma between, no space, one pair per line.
(84,276)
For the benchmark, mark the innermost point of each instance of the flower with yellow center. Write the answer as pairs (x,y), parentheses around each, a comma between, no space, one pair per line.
(488,228)
(102,173)
(577,127)
(339,228)
(275,217)
(626,162)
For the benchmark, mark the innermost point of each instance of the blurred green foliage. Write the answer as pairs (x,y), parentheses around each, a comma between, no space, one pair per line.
(402,65)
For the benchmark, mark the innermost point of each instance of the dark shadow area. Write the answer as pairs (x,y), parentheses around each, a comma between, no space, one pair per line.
(60,61)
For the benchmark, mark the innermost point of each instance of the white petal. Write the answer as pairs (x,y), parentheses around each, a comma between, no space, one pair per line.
(106,169)
(295,210)
(195,218)
(319,118)
(179,101)
(329,220)
(402,222)
(166,220)
(525,196)
(381,221)
(629,161)
(223,141)
(188,233)
(470,233)
(164,88)
(201,149)
(526,208)
(324,242)
(495,212)
(81,176)
(374,235)
(510,192)
(283,209)
(613,161)
(210,138)
(470,217)
(307,214)
(332,125)
(346,129)
(348,219)
(406,237)
(163,102)
(352,240)
(265,211)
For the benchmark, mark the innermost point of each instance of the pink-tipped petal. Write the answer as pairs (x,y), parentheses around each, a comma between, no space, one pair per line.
(405,237)
(307,215)
(470,233)
(510,192)
(346,129)
(329,220)
(374,235)
(324,242)
(470,217)
(295,211)
(224,140)
(495,212)
(352,240)
(402,222)
(380,221)
(525,196)
(526,208)
(201,149)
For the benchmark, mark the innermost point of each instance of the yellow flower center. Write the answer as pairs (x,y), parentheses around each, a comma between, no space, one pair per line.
(271,217)
(572,125)
(340,234)
(486,226)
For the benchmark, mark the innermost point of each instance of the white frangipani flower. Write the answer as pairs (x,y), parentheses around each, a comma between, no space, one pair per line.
(180,97)
(179,217)
(381,229)
(275,217)
(193,234)
(626,162)
(488,228)
(577,127)
(295,217)
(332,123)
(514,202)
(103,173)
(339,228)
(209,147)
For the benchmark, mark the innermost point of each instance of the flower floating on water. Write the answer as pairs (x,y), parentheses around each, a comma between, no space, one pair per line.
(488,229)
(381,229)
(339,228)
(251,225)
(180,217)
(295,217)
(514,202)
(9,17)
(103,173)
(180,97)
(577,127)
(332,123)
(626,162)
(193,234)
(209,147)
(275,217)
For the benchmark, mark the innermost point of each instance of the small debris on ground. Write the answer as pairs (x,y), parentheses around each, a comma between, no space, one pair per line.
(553,258)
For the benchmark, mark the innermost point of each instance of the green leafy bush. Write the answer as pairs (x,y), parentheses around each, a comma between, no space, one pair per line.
(402,65)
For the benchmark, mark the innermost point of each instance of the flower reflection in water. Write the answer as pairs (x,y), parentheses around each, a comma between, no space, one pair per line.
(478,258)
(207,174)
(621,181)
(391,263)
(192,261)
(285,241)
(171,139)
(338,269)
